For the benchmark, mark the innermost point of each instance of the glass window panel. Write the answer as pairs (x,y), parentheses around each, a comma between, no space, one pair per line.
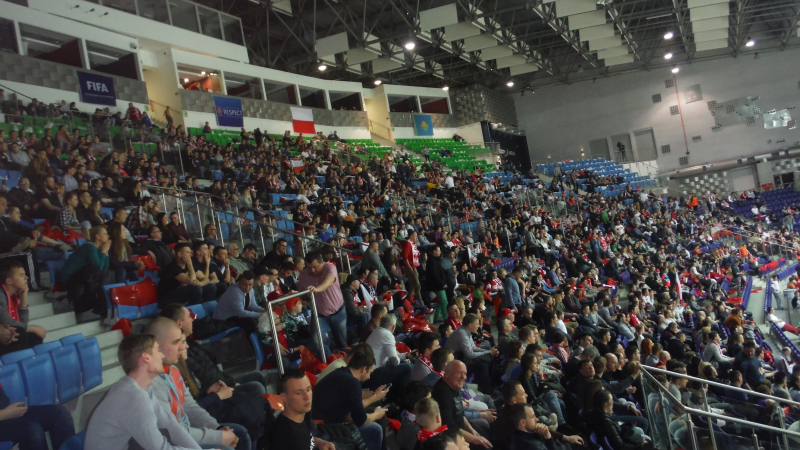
(209,23)
(154,10)
(8,37)
(123,5)
(232,27)
(184,15)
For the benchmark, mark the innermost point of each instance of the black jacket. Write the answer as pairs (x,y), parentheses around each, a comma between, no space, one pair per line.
(436,276)
(203,365)
(605,426)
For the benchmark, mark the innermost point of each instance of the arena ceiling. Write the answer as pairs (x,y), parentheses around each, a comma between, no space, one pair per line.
(532,43)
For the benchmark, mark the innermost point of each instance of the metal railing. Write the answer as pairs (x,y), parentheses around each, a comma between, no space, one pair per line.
(315,318)
(242,210)
(241,228)
(675,428)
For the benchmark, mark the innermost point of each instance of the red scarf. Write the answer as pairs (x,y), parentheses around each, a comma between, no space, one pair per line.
(423,435)
(427,361)
(13,304)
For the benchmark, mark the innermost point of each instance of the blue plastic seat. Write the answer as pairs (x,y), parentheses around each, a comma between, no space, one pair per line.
(198,310)
(91,363)
(210,307)
(55,268)
(11,380)
(18,356)
(68,372)
(39,377)
(6,445)
(259,352)
(46,347)
(71,339)
(75,442)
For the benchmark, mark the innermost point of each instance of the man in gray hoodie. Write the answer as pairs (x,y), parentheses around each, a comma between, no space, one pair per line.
(173,394)
(128,416)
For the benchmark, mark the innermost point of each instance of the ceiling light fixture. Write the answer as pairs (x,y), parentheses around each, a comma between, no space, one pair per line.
(203,72)
(668,55)
(750,43)
(675,70)
(322,67)
(445,88)
(669,35)
(510,83)
(410,45)
(185,80)
(378,82)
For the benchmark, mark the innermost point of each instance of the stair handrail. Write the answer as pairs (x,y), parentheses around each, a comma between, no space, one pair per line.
(265,213)
(374,126)
(689,410)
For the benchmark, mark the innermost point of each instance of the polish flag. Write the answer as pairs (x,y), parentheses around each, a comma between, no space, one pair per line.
(303,120)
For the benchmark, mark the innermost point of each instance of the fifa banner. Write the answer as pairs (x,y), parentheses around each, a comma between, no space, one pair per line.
(229,111)
(423,125)
(96,89)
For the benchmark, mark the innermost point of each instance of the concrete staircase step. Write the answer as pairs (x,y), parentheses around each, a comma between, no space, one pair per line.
(109,339)
(56,321)
(109,357)
(40,311)
(36,298)
(87,329)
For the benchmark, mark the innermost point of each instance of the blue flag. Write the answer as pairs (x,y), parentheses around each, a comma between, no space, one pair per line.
(423,125)
(229,111)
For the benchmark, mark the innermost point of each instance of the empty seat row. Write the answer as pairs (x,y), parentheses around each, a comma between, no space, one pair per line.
(52,373)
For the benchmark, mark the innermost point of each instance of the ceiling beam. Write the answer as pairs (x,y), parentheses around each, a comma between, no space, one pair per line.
(548,14)
(683,29)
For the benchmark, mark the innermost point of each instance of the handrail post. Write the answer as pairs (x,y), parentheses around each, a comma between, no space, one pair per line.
(692,436)
(710,421)
(783,425)
(261,234)
(756,445)
(319,329)
(199,216)
(275,344)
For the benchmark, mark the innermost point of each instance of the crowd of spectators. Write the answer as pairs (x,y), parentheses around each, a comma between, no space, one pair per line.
(552,354)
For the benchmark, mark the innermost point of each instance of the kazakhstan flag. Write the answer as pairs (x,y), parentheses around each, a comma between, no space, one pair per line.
(423,125)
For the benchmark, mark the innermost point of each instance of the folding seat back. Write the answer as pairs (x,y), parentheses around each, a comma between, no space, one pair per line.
(39,377)
(15,357)
(71,339)
(91,362)
(198,311)
(11,380)
(210,307)
(68,373)
(147,293)
(46,347)
(125,301)
(259,352)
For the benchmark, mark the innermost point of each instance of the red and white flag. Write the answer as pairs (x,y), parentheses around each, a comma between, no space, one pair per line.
(303,120)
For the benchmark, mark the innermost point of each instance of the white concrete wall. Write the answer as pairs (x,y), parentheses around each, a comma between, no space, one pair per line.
(377,108)
(561,120)
(161,79)
(133,25)
(224,65)
(471,133)
(41,19)
(198,119)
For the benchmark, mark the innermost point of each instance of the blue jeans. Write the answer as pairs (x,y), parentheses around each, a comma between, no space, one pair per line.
(29,430)
(240,432)
(334,325)
(372,434)
(555,405)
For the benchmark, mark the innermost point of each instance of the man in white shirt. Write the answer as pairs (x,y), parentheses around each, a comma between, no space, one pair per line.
(390,366)
(780,323)
(776,292)
(449,183)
